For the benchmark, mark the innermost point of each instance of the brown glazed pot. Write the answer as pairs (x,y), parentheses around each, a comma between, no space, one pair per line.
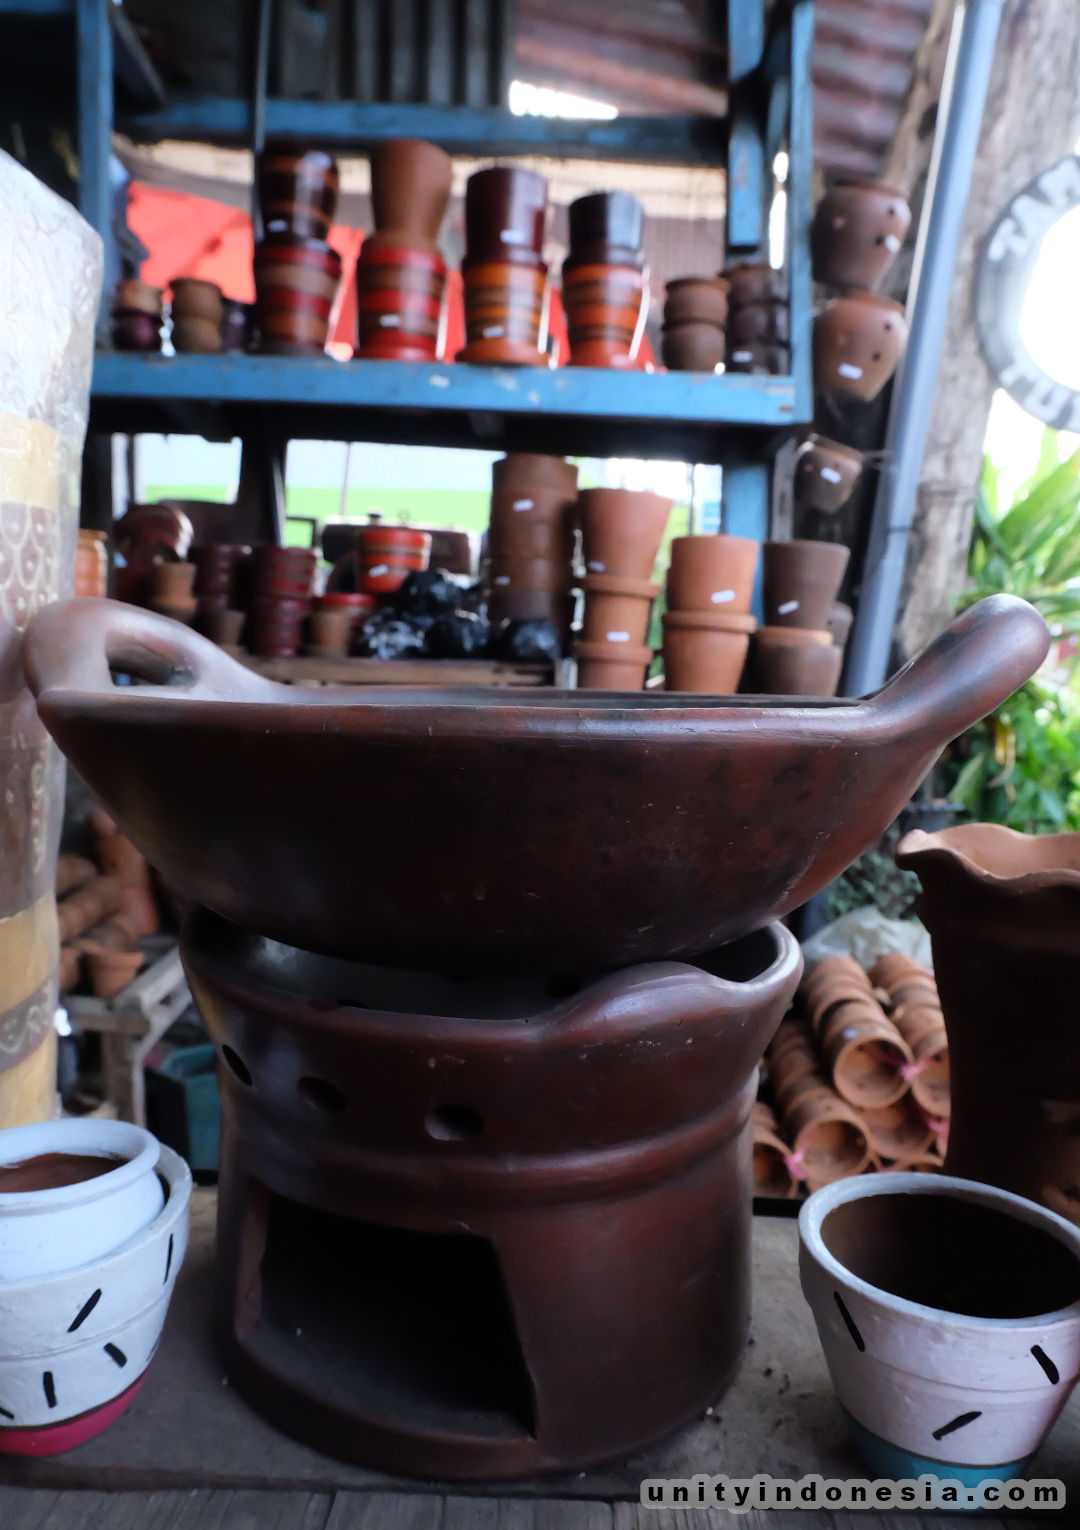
(194,763)
(135,331)
(505,208)
(298,191)
(410,187)
(696,347)
(858,340)
(766,322)
(705,651)
(194,298)
(196,336)
(1003,910)
(621,530)
(857,231)
(506,314)
(696,300)
(618,1217)
(606,666)
(400,309)
(606,226)
(800,581)
(138,297)
(804,669)
(605,308)
(711,573)
(617,610)
(753,281)
(826,473)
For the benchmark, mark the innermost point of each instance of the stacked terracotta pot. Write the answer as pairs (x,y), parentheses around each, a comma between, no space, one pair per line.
(221,590)
(92,563)
(794,651)
(297,273)
(282,579)
(104,907)
(758,326)
(137,316)
(505,278)
(859,336)
(695,316)
(197,311)
(916,1012)
(144,537)
(707,624)
(605,286)
(387,554)
(828,1140)
(333,622)
(401,275)
(621,533)
(531,540)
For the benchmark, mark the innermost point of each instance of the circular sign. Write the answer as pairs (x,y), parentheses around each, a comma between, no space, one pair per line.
(1006,262)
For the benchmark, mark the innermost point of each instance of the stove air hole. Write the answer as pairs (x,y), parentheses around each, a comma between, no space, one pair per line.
(453,1123)
(322,1096)
(236,1065)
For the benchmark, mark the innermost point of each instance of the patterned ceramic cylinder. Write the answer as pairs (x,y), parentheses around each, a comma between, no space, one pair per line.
(48,304)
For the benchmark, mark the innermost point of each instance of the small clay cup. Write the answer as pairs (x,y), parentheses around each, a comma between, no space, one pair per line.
(611,666)
(522,472)
(858,341)
(133,330)
(193,298)
(692,347)
(410,187)
(801,580)
(138,297)
(221,627)
(505,209)
(767,323)
(857,231)
(621,531)
(796,669)
(196,336)
(298,191)
(172,584)
(696,300)
(711,573)
(826,473)
(704,651)
(328,631)
(617,610)
(754,281)
(758,357)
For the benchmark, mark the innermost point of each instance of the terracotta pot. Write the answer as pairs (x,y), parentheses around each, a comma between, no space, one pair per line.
(605,308)
(133,331)
(522,473)
(645,792)
(758,322)
(298,191)
(858,341)
(120,932)
(621,530)
(539,524)
(611,666)
(196,336)
(696,300)
(87,906)
(795,637)
(709,573)
(73,872)
(505,208)
(772,1176)
(387,555)
(283,572)
(523,573)
(608,225)
(900,1131)
(827,1138)
(754,281)
(505,314)
(111,971)
(400,292)
(864,1054)
(1001,908)
(410,187)
(172,583)
(236,322)
(193,298)
(617,610)
(758,357)
(703,652)
(857,231)
(692,347)
(955,1364)
(826,473)
(92,563)
(800,582)
(329,629)
(787,669)
(138,297)
(276,626)
(222,627)
(296,282)
(840,620)
(922,1025)
(219,568)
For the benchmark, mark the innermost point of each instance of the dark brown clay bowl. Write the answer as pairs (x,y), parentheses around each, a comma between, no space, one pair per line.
(598,830)
(696,300)
(692,347)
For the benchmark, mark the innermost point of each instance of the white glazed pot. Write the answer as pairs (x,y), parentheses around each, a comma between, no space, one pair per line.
(43,1232)
(929,1389)
(74,1347)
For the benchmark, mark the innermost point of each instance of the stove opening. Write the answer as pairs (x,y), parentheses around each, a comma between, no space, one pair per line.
(414,1327)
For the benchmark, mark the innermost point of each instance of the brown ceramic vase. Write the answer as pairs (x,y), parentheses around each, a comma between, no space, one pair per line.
(826,474)
(611,666)
(692,347)
(298,191)
(621,530)
(789,669)
(858,341)
(696,300)
(617,610)
(711,573)
(857,231)
(801,580)
(410,187)
(705,651)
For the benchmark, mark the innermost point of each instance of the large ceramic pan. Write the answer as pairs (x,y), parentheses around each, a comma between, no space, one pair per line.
(574,829)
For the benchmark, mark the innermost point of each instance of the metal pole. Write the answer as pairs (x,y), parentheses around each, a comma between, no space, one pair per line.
(963,95)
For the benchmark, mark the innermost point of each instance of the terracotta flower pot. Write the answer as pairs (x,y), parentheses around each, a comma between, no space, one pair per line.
(1002,909)
(800,582)
(400,292)
(621,530)
(506,313)
(611,666)
(949,1317)
(898,1132)
(857,231)
(410,187)
(387,555)
(827,1139)
(92,563)
(858,341)
(607,226)
(193,298)
(505,209)
(840,620)
(111,971)
(864,1054)
(759,357)
(329,629)
(196,336)
(754,281)
(694,347)
(539,524)
(138,297)
(605,308)
(222,627)
(705,651)
(522,473)
(283,572)
(219,569)
(298,191)
(525,573)
(296,282)
(796,669)
(772,1175)
(696,300)
(276,625)
(711,573)
(759,322)
(173,583)
(826,474)
(617,610)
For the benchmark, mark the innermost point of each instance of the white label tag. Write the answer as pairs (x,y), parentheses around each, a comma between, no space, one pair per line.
(597,568)
(720,597)
(848,369)
(380,568)
(618,637)
(389,321)
(830,475)
(502,578)
(892,244)
(513,236)
(493,332)
(522,504)
(787,607)
(742,356)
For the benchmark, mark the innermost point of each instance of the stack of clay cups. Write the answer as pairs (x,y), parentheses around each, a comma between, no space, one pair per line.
(282,579)
(297,273)
(865,1054)
(220,590)
(826,474)
(794,652)
(334,620)
(828,1140)
(695,316)
(605,287)
(401,275)
(506,293)
(621,532)
(136,322)
(386,555)
(707,624)
(531,539)
(758,332)
(773,1176)
(197,312)
(917,1015)
(172,591)
(92,563)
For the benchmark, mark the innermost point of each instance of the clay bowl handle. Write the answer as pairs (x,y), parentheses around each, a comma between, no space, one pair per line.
(75,645)
(977,663)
